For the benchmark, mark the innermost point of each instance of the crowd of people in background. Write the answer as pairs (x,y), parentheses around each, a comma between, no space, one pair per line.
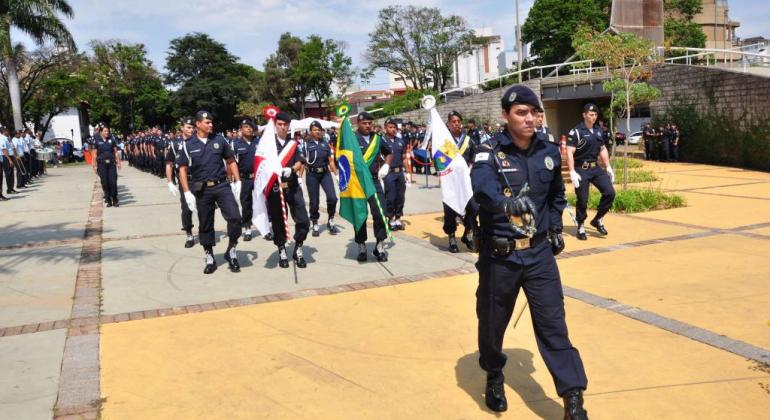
(662,143)
(22,158)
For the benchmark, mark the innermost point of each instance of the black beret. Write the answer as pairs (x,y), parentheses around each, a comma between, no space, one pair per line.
(187,120)
(519,94)
(316,124)
(589,107)
(365,116)
(390,121)
(283,116)
(249,122)
(203,115)
(454,114)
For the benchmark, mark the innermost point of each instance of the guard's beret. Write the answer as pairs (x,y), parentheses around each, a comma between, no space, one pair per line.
(390,121)
(589,107)
(454,114)
(283,116)
(519,94)
(249,122)
(316,124)
(365,116)
(187,120)
(203,115)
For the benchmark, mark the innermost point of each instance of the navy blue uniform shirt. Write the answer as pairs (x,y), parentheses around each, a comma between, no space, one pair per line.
(588,143)
(500,170)
(397,147)
(105,149)
(207,159)
(245,152)
(363,142)
(317,153)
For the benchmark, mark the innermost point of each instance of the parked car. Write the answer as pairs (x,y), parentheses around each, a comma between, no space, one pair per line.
(635,137)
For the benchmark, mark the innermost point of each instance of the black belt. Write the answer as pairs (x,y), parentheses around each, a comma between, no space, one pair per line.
(214,182)
(244,175)
(321,170)
(588,164)
(396,170)
(502,246)
(105,161)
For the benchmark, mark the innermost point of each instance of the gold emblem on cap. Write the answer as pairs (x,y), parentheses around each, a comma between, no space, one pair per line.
(501,155)
(507,192)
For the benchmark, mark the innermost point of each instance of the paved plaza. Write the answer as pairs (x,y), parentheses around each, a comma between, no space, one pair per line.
(103,312)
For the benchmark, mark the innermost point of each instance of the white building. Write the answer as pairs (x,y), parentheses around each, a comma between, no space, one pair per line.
(66,126)
(481,64)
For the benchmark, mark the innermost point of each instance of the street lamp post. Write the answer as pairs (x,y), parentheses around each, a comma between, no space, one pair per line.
(518,41)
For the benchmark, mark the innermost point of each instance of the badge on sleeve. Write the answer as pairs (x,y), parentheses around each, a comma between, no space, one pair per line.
(549,163)
(216,145)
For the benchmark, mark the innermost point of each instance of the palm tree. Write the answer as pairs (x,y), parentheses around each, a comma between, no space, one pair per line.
(40,20)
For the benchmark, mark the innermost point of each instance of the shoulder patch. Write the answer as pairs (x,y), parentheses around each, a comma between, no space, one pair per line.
(481,157)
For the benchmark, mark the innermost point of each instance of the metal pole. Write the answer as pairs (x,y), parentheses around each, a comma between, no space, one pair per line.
(518,41)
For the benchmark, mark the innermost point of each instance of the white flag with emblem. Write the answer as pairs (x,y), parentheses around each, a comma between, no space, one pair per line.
(267,171)
(454,172)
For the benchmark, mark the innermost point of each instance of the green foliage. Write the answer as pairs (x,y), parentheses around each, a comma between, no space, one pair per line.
(617,163)
(713,135)
(55,89)
(407,102)
(686,9)
(680,33)
(640,92)
(207,77)
(551,25)
(419,44)
(635,200)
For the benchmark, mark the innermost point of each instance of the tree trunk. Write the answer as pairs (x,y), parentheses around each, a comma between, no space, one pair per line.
(10,66)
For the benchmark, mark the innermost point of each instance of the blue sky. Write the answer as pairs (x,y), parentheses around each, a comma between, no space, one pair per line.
(250,28)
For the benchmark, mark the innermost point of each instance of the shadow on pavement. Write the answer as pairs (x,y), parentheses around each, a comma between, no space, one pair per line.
(518,375)
(23,234)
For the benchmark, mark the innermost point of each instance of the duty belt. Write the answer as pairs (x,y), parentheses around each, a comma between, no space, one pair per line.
(244,175)
(396,170)
(321,170)
(106,161)
(214,182)
(502,246)
(588,164)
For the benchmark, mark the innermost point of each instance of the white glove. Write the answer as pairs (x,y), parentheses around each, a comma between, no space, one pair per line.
(236,187)
(611,173)
(190,199)
(286,172)
(575,178)
(383,171)
(173,189)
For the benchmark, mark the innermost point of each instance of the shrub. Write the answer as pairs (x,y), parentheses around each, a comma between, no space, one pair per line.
(635,200)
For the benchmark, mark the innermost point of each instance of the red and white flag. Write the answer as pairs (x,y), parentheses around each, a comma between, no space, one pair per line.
(267,171)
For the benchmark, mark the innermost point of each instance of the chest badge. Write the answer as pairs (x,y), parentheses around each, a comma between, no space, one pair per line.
(505,163)
(501,155)
(216,145)
(549,163)
(507,192)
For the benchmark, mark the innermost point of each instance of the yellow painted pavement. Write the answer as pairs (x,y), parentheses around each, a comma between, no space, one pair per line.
(404,352)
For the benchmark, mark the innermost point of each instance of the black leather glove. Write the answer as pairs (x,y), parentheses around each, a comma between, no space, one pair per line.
(557,242)
(518,206)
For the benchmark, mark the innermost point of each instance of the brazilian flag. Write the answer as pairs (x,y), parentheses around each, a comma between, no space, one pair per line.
(356,184)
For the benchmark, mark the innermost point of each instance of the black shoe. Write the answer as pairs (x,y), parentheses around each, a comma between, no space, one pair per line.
(573,405)
(468,242)
(298,255)
(211,264)
(599,226)
(581,233)
(4,198)
(269,236)
(379,253)
(283,260)
(232,262)
(247,236)
(190,242)
(453,248)
(332,228)
(12,192)
(316,230)
(495,393)
(361,253)
(115,203)
(109,204)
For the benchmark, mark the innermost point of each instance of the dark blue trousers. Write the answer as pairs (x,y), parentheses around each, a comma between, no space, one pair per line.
(108,175)
(247,201)
(9,178)
(380,232)
(187,223)
(601,180)
(395,192)
(469,220)
(222,196)
(499,285)
(295,202)
(315,181)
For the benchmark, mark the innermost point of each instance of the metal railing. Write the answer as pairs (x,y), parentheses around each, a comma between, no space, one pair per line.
(731,58)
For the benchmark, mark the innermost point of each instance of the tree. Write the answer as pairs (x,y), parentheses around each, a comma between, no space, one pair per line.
(323,63)
(679,28)
(206,76)
(125,90)
(419,45)
(551,25)
(40,20)
(630,59)
(640,92)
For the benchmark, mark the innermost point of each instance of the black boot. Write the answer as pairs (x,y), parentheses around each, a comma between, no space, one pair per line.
(453,248)
(211,263)
(467,241)
(332,227)
(361,253)
(269,236)
(495,393)
(599,225)
(298,256)
(247,235)
(190,242)
(315,229)
(581,232)
(283,259)
(232,260)
(573,405)
(379,252)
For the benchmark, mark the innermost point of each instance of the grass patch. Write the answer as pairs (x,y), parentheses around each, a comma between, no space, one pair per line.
(635,177)
(635,200)
(617,164)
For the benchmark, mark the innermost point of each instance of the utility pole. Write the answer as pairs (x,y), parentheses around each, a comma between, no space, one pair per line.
(518,41)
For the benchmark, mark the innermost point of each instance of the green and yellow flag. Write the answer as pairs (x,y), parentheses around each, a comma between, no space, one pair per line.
(355,181)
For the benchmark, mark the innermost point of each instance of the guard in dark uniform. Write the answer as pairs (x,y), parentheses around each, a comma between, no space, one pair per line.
(172,175)
(320,167)
(379,167)
(107,164)
(542,132)
(585,152)
(395,181)
(245,148)
(665,144)
(203,157)
(648,133)
(517,182)
(292,161)
(454,123)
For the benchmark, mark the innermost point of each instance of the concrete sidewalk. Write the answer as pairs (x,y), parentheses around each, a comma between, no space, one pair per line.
(670,313)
